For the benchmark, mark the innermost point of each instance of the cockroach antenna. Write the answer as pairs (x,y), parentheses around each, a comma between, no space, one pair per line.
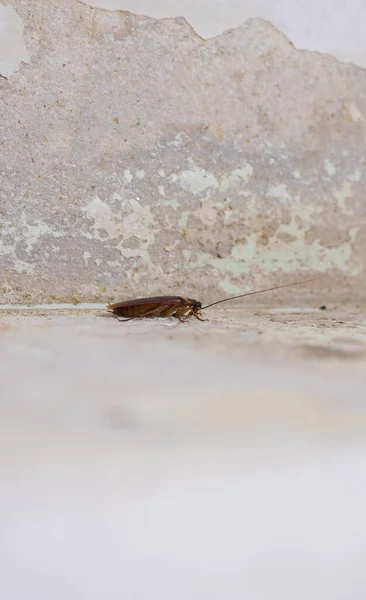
(277,287)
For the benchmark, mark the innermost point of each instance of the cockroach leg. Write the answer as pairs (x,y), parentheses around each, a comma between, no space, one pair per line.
(124,320)
(199,319)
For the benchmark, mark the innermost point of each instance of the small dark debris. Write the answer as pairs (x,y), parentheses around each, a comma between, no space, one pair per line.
(323,307)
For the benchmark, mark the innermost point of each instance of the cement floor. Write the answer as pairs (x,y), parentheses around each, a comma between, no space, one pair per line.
(201,460)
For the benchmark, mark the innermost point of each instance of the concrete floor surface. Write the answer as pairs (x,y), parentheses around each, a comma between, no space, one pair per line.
(201,460)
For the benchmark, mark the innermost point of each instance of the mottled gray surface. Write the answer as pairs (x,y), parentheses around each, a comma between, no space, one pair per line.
(138,158)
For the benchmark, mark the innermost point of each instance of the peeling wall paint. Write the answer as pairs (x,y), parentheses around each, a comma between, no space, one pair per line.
(140,159)
(302,21)
(12,47)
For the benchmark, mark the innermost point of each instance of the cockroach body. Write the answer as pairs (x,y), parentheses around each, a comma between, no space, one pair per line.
(175,306)
(157,306)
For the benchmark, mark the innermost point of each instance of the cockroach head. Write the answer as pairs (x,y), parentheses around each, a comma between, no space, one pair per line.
(195,304)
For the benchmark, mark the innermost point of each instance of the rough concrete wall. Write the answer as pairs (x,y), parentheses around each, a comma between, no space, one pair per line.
(328,26)
(138,158)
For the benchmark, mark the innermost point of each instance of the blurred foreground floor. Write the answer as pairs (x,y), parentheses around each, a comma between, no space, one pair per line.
(219,460)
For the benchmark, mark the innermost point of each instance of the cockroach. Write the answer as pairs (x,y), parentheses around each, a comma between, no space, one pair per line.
(176,306)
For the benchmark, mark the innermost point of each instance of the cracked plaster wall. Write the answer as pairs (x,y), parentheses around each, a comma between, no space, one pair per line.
(328,26)
(138,158)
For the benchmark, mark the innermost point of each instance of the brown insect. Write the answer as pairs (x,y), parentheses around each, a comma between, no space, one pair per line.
(175,306)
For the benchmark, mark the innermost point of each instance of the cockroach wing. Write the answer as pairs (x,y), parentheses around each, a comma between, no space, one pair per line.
(153,301)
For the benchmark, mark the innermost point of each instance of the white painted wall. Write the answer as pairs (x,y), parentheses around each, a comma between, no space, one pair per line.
(331,26)
(12,47)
